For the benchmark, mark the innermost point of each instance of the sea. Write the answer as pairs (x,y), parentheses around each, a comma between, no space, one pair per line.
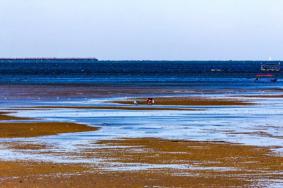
(144,73)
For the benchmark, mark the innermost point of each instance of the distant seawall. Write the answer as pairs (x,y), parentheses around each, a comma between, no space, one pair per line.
(49,60)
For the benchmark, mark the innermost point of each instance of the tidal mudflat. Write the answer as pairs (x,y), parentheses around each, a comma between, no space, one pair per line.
(218,138)
(152,162)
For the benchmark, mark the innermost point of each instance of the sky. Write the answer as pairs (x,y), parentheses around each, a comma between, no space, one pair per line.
(142,29)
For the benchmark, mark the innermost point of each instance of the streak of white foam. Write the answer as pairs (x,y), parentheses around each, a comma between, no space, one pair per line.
(141,166)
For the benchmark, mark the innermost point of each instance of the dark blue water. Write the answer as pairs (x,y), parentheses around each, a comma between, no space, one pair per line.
(87,71)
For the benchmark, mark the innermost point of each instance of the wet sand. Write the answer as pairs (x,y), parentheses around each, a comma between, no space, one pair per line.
(72,176)
(206,164)
(263,96)
(4,116)
(224,162)
(22,146)
(211,164)
(193,101)
(35,129)
(22,169)
(69,91)
(139,108)
(206,154)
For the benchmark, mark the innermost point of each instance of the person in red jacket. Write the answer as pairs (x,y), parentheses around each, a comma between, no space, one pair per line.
(150,101)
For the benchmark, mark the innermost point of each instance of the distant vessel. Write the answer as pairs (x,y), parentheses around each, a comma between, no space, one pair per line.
(270,67)
(266,78)
(216,70)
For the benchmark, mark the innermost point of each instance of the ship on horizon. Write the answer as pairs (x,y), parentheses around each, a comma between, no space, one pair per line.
(270,67)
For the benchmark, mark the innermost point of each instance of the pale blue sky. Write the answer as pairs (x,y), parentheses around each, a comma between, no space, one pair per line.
(142,29)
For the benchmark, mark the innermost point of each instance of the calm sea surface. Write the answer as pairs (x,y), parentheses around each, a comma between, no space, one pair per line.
(127,72)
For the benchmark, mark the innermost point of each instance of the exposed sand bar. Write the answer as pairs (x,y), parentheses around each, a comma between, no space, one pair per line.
(242,163)
(212,154)
(35,129)
(264,96)
(64,91)
(193,101)
(105,108)
(29,168)
(64,176)
(235,166)
(5,116)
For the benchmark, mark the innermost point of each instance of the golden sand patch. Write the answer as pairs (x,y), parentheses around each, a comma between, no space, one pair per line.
(244,166)
(208,154)
(29,168)
(193,101)
(77,177)
(34,129)
(27,146)
(211,159)
(5,116)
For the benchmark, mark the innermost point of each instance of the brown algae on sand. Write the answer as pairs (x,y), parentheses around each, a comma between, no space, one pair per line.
(4,116)
(210,164)
(34,129)
(30,174)
(193,101)
(31,146)
(209,154)
(210,158)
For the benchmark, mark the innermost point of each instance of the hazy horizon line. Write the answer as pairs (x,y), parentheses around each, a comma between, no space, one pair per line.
(95,58)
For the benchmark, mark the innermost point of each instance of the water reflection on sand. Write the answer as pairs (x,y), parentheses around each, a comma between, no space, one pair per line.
(258,125)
